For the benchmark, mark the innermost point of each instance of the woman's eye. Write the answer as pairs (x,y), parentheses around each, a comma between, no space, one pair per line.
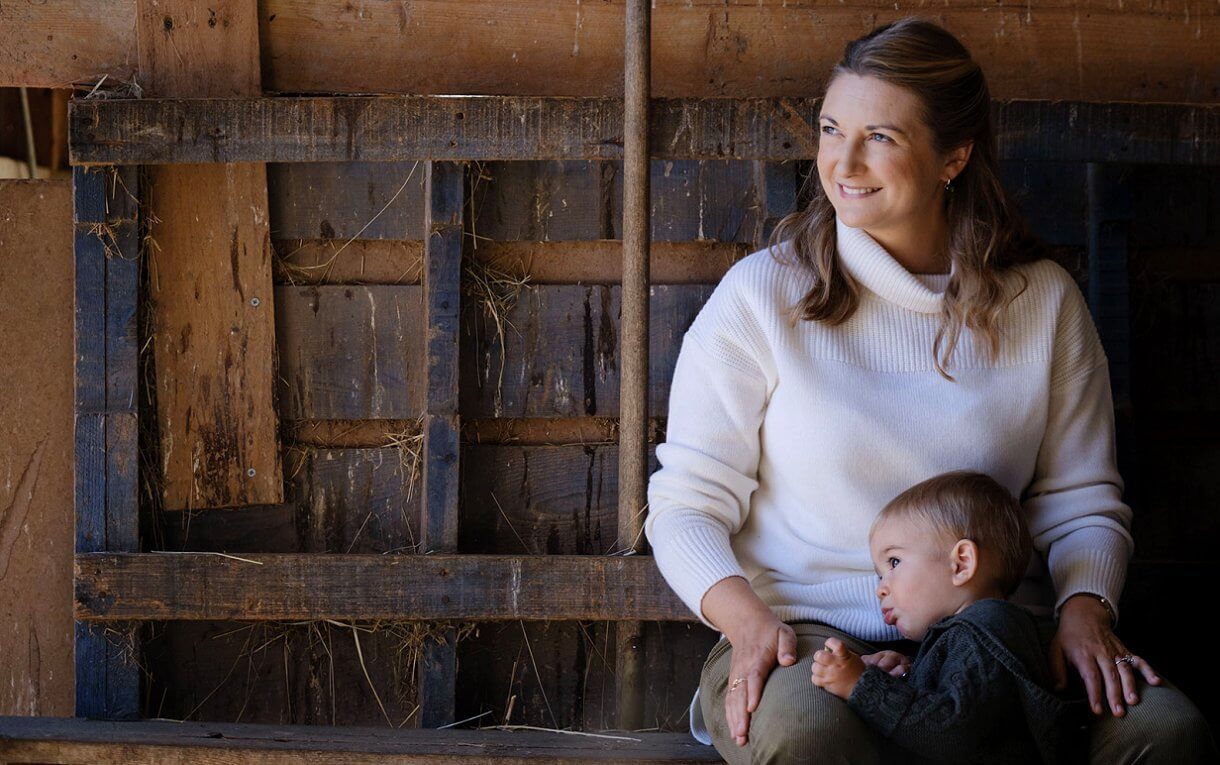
(826,129)
(882,135)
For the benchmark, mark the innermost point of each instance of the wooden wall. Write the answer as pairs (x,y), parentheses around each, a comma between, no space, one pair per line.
(539,463)
(36,521)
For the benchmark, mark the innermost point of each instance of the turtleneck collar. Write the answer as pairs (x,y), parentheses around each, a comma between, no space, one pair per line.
(873,266)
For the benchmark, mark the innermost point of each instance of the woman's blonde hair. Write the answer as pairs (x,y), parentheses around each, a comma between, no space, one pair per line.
(987,233)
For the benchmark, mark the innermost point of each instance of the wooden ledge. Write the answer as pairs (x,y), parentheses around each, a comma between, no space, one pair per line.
(75,740)
(397,128)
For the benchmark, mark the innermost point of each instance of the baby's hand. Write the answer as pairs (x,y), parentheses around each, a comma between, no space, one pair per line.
(836,669)
(894,663)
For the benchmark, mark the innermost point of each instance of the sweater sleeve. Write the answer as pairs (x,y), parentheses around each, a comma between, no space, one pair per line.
(700,496)
(1074,504)
(951,720)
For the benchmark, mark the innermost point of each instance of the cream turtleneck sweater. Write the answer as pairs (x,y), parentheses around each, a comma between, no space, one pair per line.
(785,441)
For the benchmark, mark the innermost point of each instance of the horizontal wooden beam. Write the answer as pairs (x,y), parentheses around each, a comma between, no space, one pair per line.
(385,129)
(58,739)
(1089,50)
(209,586)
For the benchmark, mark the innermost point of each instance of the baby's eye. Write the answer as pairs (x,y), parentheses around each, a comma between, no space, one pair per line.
(893,562)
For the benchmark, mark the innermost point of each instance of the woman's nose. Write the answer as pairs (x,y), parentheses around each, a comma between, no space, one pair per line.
(851,157)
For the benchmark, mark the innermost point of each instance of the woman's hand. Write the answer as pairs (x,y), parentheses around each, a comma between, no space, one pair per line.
(756,650)
(891,662)
(759,640)
(1085,639)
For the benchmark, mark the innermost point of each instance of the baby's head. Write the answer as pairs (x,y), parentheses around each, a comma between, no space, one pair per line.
(943,544)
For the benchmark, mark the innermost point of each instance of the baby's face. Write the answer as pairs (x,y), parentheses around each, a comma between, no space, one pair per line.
(916,570)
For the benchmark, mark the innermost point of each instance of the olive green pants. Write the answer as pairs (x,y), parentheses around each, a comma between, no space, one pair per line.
(797,722)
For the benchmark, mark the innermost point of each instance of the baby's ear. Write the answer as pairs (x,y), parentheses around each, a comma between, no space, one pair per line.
(965,559)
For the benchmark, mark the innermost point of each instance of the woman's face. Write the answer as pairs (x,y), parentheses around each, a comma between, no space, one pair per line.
(876,161)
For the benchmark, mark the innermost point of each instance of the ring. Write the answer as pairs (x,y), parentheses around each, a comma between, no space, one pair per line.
(736,683)
(1125,659)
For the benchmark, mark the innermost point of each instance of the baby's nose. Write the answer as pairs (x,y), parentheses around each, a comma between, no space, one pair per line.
(881,589)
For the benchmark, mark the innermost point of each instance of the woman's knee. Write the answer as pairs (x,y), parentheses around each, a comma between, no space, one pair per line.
(1164,727)
(799,722)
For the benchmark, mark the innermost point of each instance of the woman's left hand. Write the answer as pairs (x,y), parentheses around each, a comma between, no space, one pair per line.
(1086,640)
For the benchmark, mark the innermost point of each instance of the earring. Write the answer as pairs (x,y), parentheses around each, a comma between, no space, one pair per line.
(947,184)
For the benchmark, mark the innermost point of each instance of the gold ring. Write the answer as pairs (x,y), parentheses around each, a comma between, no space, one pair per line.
(736,683)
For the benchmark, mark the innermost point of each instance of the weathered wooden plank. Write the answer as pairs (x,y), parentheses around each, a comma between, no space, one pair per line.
(213,317)
(36,408)
(551,431)
(560,355)
(583,200)
(1053,49)
(105,206)
(315,262)
(356,261)
(48,739)
(561,674)
(341,500)
(151,586)
(304,673)
(345,200)
(445,196)
(350,353)
(541,500)
(395,129)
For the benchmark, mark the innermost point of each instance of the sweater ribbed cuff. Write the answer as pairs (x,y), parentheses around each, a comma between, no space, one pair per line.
(1092,559)
(693,553)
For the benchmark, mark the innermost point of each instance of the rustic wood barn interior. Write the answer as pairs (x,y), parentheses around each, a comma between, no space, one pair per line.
(338,338)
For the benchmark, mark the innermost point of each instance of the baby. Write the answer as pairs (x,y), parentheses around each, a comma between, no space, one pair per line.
(949,551)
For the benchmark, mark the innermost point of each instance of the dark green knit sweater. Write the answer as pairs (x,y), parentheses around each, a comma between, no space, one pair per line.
(976,692)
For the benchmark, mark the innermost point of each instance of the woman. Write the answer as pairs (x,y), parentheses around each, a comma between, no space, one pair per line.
(901,326)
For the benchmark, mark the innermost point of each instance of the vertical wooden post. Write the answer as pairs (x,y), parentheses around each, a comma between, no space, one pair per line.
(105,213)
(444,202)
(633,422)
(1110,215)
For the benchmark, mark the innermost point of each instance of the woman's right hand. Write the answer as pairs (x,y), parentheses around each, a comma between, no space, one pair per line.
(759,641)
(758,647)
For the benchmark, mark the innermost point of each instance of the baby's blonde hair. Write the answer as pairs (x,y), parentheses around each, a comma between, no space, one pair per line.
(964,504)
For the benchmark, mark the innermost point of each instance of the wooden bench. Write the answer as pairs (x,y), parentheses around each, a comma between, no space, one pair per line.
(76,741)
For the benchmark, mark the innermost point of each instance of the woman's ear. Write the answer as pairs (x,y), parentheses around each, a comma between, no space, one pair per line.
(965,560)
(957,159)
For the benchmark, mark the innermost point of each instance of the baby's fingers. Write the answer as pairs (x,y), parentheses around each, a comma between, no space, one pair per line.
(835,646)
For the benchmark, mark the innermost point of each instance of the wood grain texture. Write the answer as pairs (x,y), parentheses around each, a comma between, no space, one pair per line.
(214,336)
(43,740)
(359,261)
(152,586)
(213,310)
(541,500)
(1050,49)
(106,252)
(386,129)
(703,49)
(345,200)
(560,356)
(36,449)
(350,353)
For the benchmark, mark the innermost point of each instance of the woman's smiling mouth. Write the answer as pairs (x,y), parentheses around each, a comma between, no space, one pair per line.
(857,192)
